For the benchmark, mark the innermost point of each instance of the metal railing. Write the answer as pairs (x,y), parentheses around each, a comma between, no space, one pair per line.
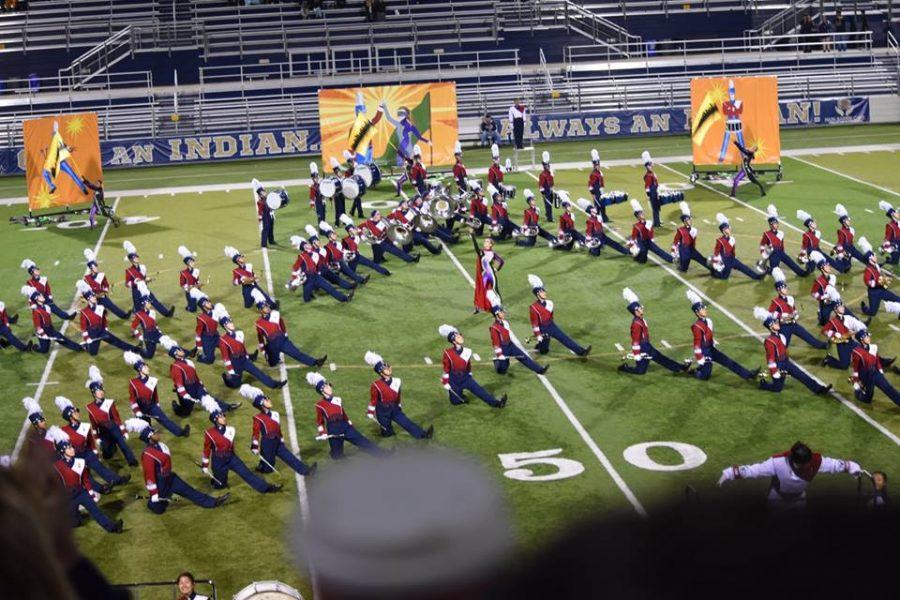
(784,21)
(157,590)
(99,59)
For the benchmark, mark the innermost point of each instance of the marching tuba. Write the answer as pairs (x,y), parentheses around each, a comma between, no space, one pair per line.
(400,234)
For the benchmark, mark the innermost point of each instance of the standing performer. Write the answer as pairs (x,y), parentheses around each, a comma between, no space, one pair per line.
(356,207)
(338,199)
(724,257)
(144,326)
(43,323)
(105,420)
(684,246)
(891,244)
(545,183)
(504,347)
(786,311)
(705,345)
(810,243)
(42,284)
(335,255)
(243,275)
(641,240)
(271,333)
(159,479)
(642,351)
(265,216)
(385,403)
(94,325)
(487,268)
(845,236)
(219,457)
(771,248)
(594,236)
(595,185)
(332,422)
(377,226)
(840,329)
(186,382)
(143,393)
(517,115)
(747,156)
(732,109)
(100,285)
(234,354)
(460,175)
(137,271)
(531,226)
(868,371)
(457,376)
(266,440)
(189,277)
(83,440)
(651,187)
(350,245)
(778,360)
(876,280)
(7,337)
(790,473)
(206,333)
(316,199)
(73,474)
(542,324)
(478,210)
(417,173)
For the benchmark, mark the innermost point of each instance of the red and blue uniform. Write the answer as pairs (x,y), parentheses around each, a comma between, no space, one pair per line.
(386,406)
(505,349)
(218,455)
(189,278)
(46,332)
(685,244)
(236,361)
(95,329)
(780,365)
(642,236)
(783,308)
(642,351)
(106,422)
(144,328)
(143,393)
(273,340)
(457,377)
(773,242)
(868,374)
(706,353)
(73,475)
(544,327)
(331,420)
(99,284)
(162,482)
(84,441)
(6,331)
(876,289)
(206,337)
(269,442)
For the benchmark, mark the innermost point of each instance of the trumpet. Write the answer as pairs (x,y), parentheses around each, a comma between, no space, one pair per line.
(884,280)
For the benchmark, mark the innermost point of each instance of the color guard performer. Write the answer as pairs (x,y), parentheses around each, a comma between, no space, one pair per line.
(891,244)
(206,333)
(595,237)
(876,281)
(501,340)
(457,376)
(186,382)
(651,187)
(144,326)
(234,354)
(684,246)
(595,185)
(545,183)
(868,371)
(706,350)
(105,419)
(460,175)
(771,247)
(840,330)
(641,240)
(487,268)
(543,325)
(42,284)
(786,311)
(84,441)
(778,360)
(845,236)
(189,277)
(143,393)
(271,333)
(336,256)
(43,324)
(332,422)
(385,402)
(810,243)
(266,441)
(724,258)
(242,275)
(94,324)
(642,351)
(100,285)
(350,245)
(7,337)
(137,271)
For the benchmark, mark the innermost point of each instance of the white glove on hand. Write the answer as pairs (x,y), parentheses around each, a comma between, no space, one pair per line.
(371,415)
(727,475)
(322,437)
(125,435)
(539,339)
(447,386)
(254,451)
(138,414)
(776,375)
(853,468)
(95,496)
(154,498)
(701,362)
(205,470)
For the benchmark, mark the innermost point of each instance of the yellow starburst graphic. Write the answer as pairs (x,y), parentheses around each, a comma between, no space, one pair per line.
(44,199)
(75,125)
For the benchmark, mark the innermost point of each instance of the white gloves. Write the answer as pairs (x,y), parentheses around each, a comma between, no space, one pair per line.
(853,468)
(205,470)
(447,386)
(776,375)
(154,498)
(727,475)
(254,451)
(322,437)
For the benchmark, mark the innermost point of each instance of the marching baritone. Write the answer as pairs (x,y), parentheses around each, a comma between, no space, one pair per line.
(188,387)
(460,175)
(336,256)
(810,243)
(84,441)
(846,235)
(206,332)
(840,330)
(306,273)
(377,228)
(531,226)
(234,354)
(316,199)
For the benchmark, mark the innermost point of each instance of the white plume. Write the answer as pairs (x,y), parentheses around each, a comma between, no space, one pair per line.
(446,330)
(231,252)
(82,286)
(630,296)
(372,359)
(256,185)
(89,255)
(27,264)
(131,358)
(693,297)
(335,164)
(27,291)
(167,342)
(864,246)
(778,274)
(417,151)
(495,151)
(492,190)
(645,157)
(313,168)
(297,241)
(457,148)
(595,156)
(311,231)
(636,205)
(771,211)
(129,247)
(31,405)
(62,403)
(493,298)
(185,253)
(313,379)
(803,216)
(545,156)
(219,311)
(760,313)
(209,404)
(250,393)
(323,226)
(840,211)
(534,281)
(685,209)
(885,206)
(56,434)
(257,295)
(721,218)
(197,294)
(584,204)
(816,256)
(346,219)
(94,375)
(135,425)
(563,195)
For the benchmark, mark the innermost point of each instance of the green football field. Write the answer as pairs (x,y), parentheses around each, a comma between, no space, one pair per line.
(580,418)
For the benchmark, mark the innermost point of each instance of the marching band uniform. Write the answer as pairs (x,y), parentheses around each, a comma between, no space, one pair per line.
(495,173)
(189,278)
(593,230)
(316,200)
(332,422)
(442,232)
(642,237)
(235,358)
(778,360)
(321,259)
(350,246)
(338,199)
(810,243)
(84,441)
(891,244)
(784,309)
(42,285)
(356,207)
(542,324)
(266,441)
(532,218)
(642,351)
(502,228)
(265,214)
(771,246)
(845,236)
(501,340)
(100,285)
(271,333)
(478,209)
(219,456)
(306,268)
(137,271)
(487,269)
(38,438)
(705,350)
(875,280)
(94,325)
(187,384)
(595,186)
(105,420)
(404,215)
(567,226)
(457,376)
(335,255)
(460,174)
(417,173)
(242,275)
(821,284)
(206,333)
(840,329)
(144,328)
(385,404)
(868,371)
(651,188)
(684,246)
(545,183)
(378,227)
(724,257)
(43,324)
(143,393)
(7,337)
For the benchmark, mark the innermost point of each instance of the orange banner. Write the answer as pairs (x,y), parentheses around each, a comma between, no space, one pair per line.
(384,123)
(59,152)
(739,109)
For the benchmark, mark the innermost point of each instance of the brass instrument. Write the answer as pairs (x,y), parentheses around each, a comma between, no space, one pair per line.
(399,234)
(443,207)
(803,257)
(473,221)
(529,231)
(592,242)
(366,236)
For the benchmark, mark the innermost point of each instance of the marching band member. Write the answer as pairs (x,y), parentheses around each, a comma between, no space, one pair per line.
(457,376)
(320,255)
(144,326)
(100,285)
(380,244)
(94,325)
(684,246)
(460,175)
(778,360)
(651,187)
(264,214)
(306,272)
(891,244)
(771,247)
(404,216)
(641,241)
(339,201)
(845,237)
(477,207)
(189,277)
(542,324)
(642,351)
(568,235)
(206,333)
(706,351)
(335,254)
(350,246)
(876,281)
(272,335)
(840,329)
(38,437)
(84,442)
(385,403)
(186,382)
(266,441)
(594,236)
(868,371)
(545,183)
(790,473)
(73,473)
(747,156)
(495,172)
(105,420)
(531,221)
(356,207)
(724,257)
(487,268)
(243,275)
(143,393)
(421,206)
(820,286)
(786,311)
(316,200)
(42,284)
(332,422)
(159,478)
(595,185)
(810,243)
(234,354)
(43,323)
(501,227)
(137,271)
(218,457)
(7,337)
(417,173)
(501,339)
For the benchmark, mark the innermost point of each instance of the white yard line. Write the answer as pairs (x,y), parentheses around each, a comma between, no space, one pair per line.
(428,361)
(585,436)
(894,327)
(44,382)
(620,347)
(666,344)
(845,176)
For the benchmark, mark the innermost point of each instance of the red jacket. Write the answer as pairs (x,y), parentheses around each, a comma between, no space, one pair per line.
(266,425)
(330,411)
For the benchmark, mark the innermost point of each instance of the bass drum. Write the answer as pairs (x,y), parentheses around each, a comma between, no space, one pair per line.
(328,187)
(365,172)
(353,186)
(268,590)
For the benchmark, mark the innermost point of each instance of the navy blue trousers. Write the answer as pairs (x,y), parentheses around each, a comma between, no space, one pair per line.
(368,262)
(876,295)
(645,246)
(871,380)
(242,364)
(151,339)
(83,498)
(386,415)
(512,351)
(776,385)
(157,413)
(246,292)
(267,231)
(154,301)
(688,253)
(283,345)
(380,248)
(611,243)
(791,329)
(191,304)
(106,302)
(98,335)
(270,448)
(220,465)
(342,431)
(166,487)
(53,335)
(640,366)
(112,438)
(7,334)
(94,464)
(460,382)
(714,355)
(553,331)
(731,262)
(56,310)
(349,272)
(842,362)
(780,256)
(315,282)
(208,345)
(335,279)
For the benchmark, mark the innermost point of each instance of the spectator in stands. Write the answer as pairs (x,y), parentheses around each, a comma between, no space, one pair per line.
(825,32)
(489,133)
(840,30)
(806,29)
(185,583)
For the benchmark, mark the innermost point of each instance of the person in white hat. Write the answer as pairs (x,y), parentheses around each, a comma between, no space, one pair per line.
(189,277)
(545,183)
(40,283)
(100,285)
(876,281)
(385,402)
(891,245)
(137,272)
(457,375)
(778,359)
(460,175)
(651,187)
(7,337)
(316,199)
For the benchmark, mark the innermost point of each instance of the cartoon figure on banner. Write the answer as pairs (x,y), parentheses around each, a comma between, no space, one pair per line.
(58,158)
(732,108)
(359,140)
(406,130)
